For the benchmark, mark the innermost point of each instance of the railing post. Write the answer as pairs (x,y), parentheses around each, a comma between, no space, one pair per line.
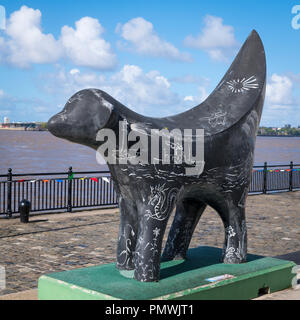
(70,178)
(9,185)
(291,176)
(265,178)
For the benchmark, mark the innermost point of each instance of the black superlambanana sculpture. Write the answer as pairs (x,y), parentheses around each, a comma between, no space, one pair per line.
(148,192)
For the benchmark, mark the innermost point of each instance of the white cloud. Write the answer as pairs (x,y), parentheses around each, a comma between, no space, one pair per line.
(74,71)
(280,106)
(146,92)
(200,97)
(25,43)
(140,33)
(279,90)
(142,89)
(216,39)
(85,46)
(149,93)
(188,98)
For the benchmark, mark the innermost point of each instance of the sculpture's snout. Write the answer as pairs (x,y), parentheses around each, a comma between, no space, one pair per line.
(84,114)
(58,126)
(51,125)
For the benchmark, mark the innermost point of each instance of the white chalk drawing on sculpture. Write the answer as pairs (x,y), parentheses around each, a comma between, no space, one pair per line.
(242,85)
(161,200)
(127,252)
(230,232)
(218,118)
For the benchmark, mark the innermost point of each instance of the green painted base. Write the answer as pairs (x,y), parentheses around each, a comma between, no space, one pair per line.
(180,279)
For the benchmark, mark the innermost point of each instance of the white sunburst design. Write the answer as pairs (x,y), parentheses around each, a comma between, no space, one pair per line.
(241,85)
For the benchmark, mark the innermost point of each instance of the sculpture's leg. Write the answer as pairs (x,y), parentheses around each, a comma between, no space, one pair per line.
(188,213)
(153,219)
(127,235)
(235,244)
(148,250)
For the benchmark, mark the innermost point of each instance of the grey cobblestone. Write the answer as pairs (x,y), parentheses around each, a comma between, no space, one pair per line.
(57,242)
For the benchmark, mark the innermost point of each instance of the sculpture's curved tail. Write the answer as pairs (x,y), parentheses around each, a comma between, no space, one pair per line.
(236,94)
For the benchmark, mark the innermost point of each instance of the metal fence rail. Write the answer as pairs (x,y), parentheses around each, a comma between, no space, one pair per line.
(55,191)
(68,190)
(272,178)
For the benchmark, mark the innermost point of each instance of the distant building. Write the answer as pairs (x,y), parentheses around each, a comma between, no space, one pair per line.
(6,120)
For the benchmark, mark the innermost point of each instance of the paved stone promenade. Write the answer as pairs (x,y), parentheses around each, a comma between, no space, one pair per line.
(57,242)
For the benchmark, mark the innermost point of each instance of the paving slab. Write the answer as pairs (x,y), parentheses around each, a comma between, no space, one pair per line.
(23,295)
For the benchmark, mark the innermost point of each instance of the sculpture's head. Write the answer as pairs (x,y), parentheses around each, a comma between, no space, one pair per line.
(85,113)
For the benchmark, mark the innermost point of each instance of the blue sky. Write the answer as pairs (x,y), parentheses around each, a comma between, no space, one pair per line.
(157,57)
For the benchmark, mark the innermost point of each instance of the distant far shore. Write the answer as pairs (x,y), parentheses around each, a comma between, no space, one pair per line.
(23,129)
(15,129)
(44,129)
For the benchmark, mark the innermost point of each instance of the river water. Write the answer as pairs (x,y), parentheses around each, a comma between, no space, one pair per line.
(39,151)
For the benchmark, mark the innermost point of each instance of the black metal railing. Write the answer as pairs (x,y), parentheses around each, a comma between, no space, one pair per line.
(69,190)
(272,178)
(55,191)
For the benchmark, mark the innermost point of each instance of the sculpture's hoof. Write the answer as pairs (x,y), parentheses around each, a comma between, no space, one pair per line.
(180,257)
(233,260)
(145,278)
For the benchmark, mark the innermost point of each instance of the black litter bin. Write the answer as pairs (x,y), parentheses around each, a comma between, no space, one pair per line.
(24,209)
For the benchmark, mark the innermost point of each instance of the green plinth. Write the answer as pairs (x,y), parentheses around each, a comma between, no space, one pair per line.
(180,279)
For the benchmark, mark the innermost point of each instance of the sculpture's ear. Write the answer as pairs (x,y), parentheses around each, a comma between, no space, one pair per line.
(241,89)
